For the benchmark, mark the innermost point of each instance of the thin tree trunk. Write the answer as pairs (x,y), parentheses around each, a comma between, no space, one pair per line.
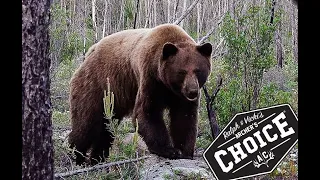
(154,12)
(294,33)
(104,18)
(147,11)
(84,29)
(198,20)
(37,147)
(175,9)
(279,49)
(168,12)
(121,15)
(183,10)
(74,12)
(160,12)
(272,11)
(135,15)
(94,20)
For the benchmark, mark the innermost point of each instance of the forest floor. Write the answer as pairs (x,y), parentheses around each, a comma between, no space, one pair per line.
(154,167)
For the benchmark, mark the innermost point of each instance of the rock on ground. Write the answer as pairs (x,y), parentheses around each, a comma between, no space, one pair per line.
(159,168)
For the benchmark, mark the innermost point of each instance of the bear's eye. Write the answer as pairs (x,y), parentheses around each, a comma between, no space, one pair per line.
(197,71)
(182,72)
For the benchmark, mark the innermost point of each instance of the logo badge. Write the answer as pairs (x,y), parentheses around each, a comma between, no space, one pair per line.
(253,143)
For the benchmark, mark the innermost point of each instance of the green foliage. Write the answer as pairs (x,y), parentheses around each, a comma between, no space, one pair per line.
(60,119)
(60,81)
(271,95)
(286,169)
(248,36)
(250,55)
(128,12)
(66,41)
(120,150)
(178,174)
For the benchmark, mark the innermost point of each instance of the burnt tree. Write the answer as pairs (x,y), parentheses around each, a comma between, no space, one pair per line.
(37,148)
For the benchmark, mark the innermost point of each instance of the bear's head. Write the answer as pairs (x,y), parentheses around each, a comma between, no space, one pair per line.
(184,68)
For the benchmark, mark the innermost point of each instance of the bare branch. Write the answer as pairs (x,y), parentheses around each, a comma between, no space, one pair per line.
(211,31)
(186,12)
(215,92)
(99,166)
(219,54)
(206,94)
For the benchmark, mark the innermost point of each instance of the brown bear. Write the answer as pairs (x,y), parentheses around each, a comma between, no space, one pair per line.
(149,70)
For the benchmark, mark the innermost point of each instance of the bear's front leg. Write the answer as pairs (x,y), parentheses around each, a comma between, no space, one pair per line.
(183,127)
(148,112)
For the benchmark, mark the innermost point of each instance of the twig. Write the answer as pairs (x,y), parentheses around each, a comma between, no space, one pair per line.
(99,166)
(219,54)
(186,12)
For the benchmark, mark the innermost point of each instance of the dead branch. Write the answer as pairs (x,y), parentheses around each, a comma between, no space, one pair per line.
(186,12)
(219,54)
(99,166)
(209,105)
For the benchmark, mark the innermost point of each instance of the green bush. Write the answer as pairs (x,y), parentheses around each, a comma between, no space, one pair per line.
(250,57)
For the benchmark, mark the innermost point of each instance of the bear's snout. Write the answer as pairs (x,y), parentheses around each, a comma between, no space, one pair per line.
(191,88)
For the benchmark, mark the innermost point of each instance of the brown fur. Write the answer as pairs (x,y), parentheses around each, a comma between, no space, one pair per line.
(145,77)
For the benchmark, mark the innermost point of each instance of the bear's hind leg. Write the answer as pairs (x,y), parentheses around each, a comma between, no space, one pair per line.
(101,146)
(81,146)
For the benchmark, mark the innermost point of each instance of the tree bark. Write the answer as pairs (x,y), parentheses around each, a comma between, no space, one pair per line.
(37,148)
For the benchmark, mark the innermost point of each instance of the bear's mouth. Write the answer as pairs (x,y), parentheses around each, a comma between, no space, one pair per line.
(192,96)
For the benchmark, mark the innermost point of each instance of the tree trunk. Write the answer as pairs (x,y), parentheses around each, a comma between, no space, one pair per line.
(279,49)
(294,33)
(94,21)
(37,148)
(104,18)
(184,9)
(84,29)
(160,12)
(198,21)
(168,12)
(135,15)
(154,12)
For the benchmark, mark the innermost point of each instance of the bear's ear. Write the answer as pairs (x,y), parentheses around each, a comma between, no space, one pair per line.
(169,49)
(205,49)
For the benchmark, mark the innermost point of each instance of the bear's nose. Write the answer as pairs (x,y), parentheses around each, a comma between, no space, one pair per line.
(192,94)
